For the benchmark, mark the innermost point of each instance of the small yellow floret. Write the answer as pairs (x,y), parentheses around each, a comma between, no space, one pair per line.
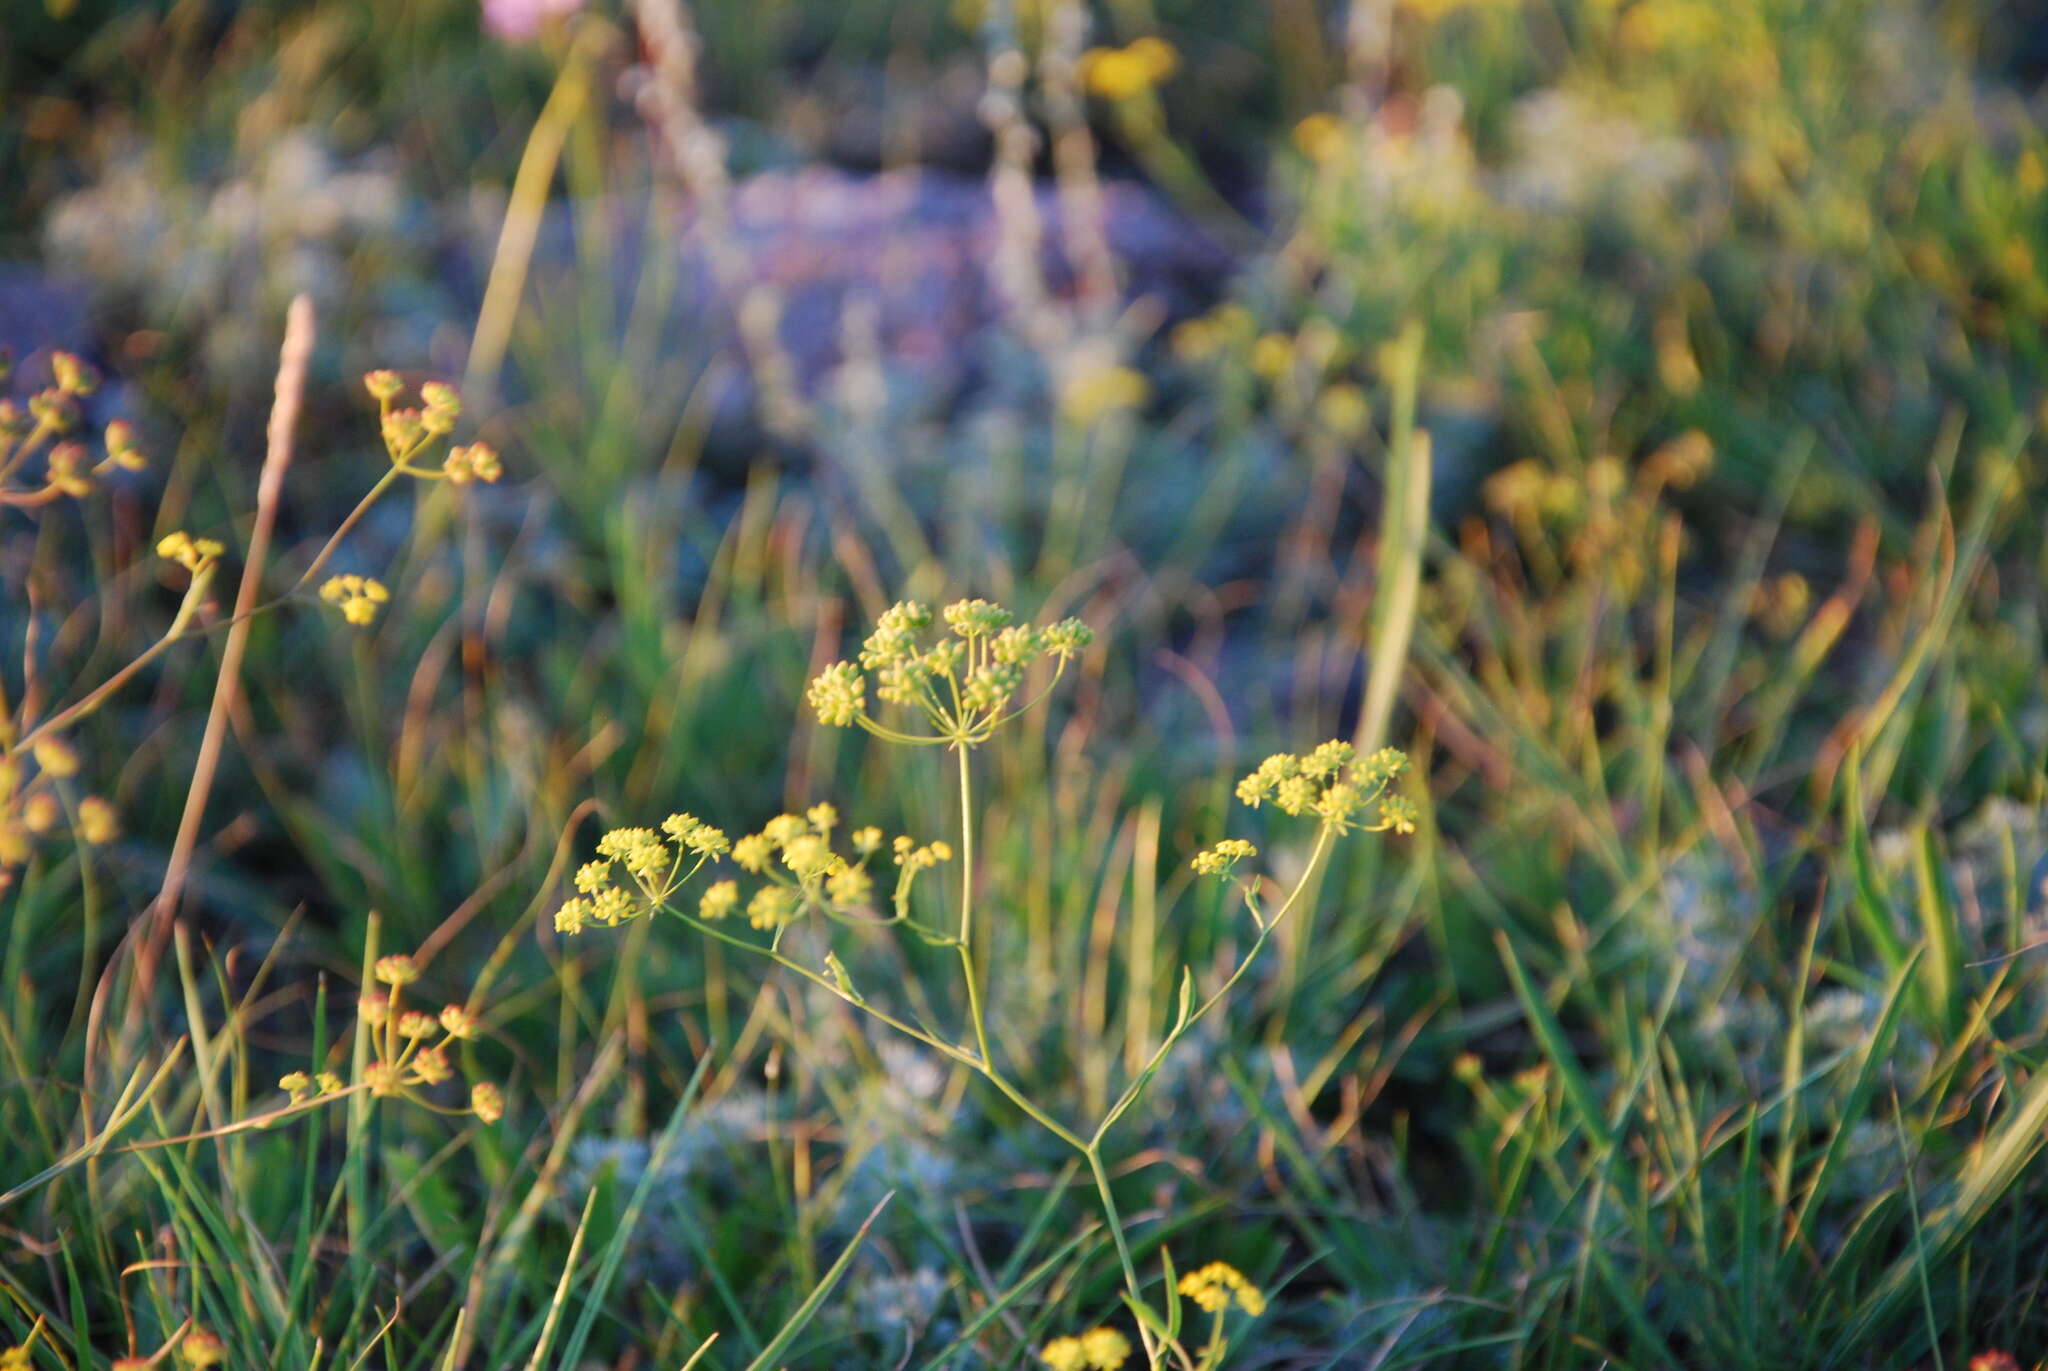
(358,597)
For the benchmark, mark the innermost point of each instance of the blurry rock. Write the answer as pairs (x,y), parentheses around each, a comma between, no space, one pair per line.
(916,247)
(39,312)
(921,245)
(859,117)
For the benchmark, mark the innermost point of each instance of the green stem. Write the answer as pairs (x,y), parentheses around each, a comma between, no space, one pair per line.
(180,625)
(194,594)
(320,558)
(951,1051)
(1123,1248)
(966,943)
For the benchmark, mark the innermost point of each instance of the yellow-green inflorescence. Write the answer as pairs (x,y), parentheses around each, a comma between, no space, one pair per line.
(1098,1349)
(1218,1285)
(798,866)
(1334,785)
(1331,784)
(408,1049)
(963,680)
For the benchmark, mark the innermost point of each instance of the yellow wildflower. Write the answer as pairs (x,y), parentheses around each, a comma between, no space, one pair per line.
(720,898)
(40,812)
(1105,1348)
(56,756)
(1215,1286)
(1320,137)
(357,597)
(485,1102)
(1131,70)
(397,969)
(1094,394)
(193,554)
(1064,1354)
(97,823)
(202,1347)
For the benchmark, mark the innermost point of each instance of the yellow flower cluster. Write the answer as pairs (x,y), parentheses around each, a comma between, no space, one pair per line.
(1093,393)
(656,863)
(964,685)
(193,554)
(1321,137)
(472,462)
(1098,1349)
(409,430)
(1218,1285)
(201,1347)
(52,413)
(410,1047)
(1129,71)
(1335,786)
(1220,859)
(1307,372)
(792,853)
(34,807)
(1601,521)
(358,597)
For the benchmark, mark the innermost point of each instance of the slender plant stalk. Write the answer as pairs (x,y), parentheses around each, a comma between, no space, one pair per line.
(966,944)
(293,357)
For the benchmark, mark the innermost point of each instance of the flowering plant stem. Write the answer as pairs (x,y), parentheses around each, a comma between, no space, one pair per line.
(979,1060)
(966,943)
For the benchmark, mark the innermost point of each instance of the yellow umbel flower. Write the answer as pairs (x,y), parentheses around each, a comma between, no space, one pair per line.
(193,554)
(1105,1348)
(486,1103)
(1098,1349)
(430,1066)
(1320,137)
(1131,70)
(40,812)
(720,898)
(202,1347)
(1093,394)
(474,462)
(56,756)
(358,597)
(1218,860)
(1064,1354)
(397,969)
(97,824)
(1216,1286)
(1334,786)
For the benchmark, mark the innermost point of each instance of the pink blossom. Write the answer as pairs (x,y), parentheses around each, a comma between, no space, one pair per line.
(517,21)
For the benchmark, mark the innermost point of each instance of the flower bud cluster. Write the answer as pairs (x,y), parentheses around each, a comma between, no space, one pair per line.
(410,1047)
(964,684)
(1098,1349)
(193,554)
(794,855)
(1222,858)
(36,802)
(1219,1285)
(357,597)
(409,431)
(1334,786)
(655,863)
(51,415)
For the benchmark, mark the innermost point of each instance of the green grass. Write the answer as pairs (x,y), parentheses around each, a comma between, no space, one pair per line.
(1682,531)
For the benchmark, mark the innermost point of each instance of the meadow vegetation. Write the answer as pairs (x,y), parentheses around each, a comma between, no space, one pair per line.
(1472,791)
